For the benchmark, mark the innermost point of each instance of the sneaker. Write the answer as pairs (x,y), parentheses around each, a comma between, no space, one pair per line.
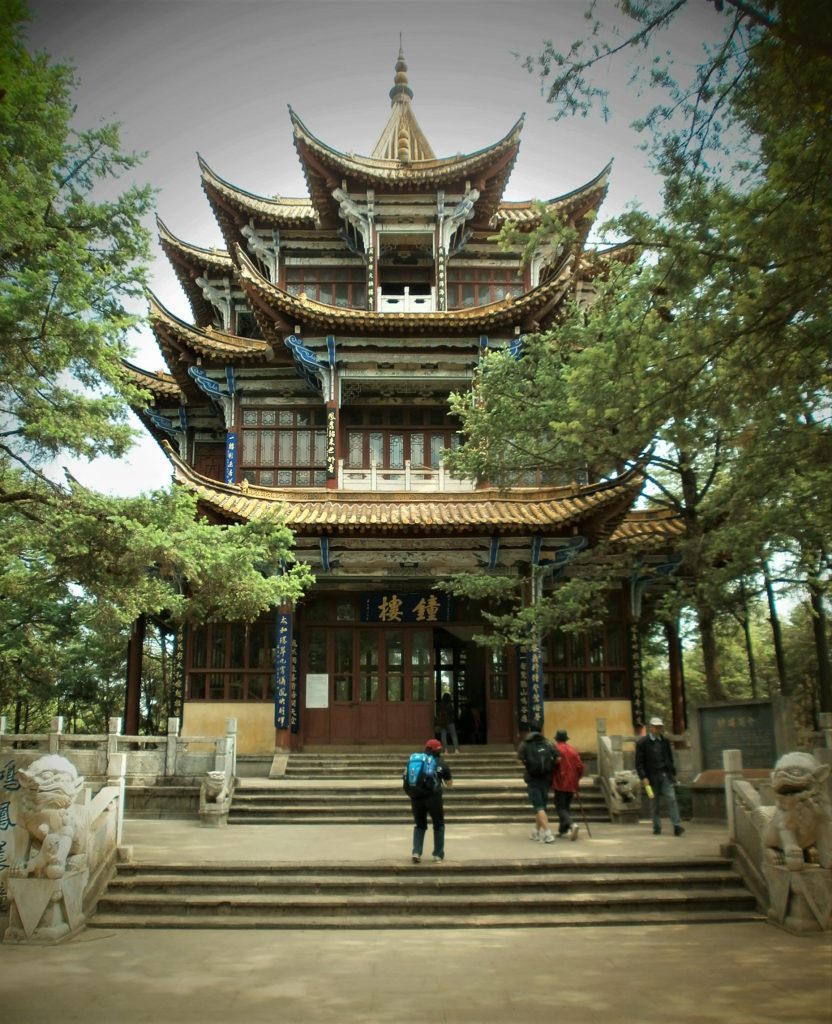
(535,835)
(678,830)
(438,859)
(548,837)
(657,831)
(416,858)
(573,832)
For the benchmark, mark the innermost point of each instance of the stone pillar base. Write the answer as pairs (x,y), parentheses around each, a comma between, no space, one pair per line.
(45,911)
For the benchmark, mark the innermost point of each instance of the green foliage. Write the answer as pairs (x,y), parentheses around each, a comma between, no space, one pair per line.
(70,261)
(708,361)
(77,568)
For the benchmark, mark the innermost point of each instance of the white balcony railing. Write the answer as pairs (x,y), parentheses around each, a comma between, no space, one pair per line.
(406,303)
(410,478)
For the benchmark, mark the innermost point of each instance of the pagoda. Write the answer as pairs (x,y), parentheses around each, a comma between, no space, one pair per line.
(314,377)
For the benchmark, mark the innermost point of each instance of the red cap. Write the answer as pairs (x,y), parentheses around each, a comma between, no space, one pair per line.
(434,745)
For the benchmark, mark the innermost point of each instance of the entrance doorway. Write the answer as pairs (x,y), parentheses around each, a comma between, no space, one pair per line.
(459,668)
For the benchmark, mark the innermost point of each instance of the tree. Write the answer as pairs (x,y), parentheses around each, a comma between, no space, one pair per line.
(706,361)
(73,258)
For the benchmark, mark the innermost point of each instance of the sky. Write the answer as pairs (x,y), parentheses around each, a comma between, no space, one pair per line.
(216,77)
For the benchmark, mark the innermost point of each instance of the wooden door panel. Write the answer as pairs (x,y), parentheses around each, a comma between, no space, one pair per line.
(369,723)
(500,722)
(343,722)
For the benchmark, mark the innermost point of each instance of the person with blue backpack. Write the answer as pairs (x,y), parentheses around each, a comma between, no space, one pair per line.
(424,778)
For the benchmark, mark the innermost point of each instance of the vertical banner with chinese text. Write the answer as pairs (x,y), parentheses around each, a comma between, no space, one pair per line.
(294,712)
(231,458)
(331,433)
(282,669)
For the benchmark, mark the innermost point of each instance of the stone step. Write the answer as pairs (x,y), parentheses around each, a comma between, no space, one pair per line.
(380,800)
(253,801)
(679,915)
(400,894)
(695,866)
(419,879)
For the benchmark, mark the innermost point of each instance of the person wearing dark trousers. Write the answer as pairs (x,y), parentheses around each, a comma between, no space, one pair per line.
(539,757)
(426,802)
(569,771)
(654,765)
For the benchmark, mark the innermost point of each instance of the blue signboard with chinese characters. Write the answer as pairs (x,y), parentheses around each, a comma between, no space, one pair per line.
(282,670)
(395,607)
(530,687)
(230,458)
(294,713)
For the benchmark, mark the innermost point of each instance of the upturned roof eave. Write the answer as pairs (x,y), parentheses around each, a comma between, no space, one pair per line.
(281,211)
(206,342)
(321,511)
(384,171)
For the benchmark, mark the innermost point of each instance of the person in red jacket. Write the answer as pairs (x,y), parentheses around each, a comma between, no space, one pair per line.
(567,777)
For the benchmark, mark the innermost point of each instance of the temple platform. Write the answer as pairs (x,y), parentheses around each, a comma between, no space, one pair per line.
(627,974)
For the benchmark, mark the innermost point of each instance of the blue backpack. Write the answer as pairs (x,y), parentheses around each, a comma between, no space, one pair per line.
(420,777)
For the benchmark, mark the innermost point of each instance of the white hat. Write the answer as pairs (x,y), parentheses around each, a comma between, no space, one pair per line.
(657,721)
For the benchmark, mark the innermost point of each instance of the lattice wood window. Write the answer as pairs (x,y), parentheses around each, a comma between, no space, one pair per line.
(389,437)
(478,286)
(231,661)
(591,665)
(283,447)
(336,286)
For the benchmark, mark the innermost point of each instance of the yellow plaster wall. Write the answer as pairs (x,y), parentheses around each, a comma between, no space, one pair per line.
(255,723)
(578,717)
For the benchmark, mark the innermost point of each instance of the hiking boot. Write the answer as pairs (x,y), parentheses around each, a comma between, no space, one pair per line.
(678,830)
(535,835)
(416,858)
(573,832)
(547,837)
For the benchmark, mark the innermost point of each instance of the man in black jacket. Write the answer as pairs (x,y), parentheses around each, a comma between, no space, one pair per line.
(654,764)
(539,758)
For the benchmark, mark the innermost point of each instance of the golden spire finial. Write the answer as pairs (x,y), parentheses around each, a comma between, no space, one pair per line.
(400,86)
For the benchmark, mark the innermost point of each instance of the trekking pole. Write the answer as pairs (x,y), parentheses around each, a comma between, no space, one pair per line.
(583,812)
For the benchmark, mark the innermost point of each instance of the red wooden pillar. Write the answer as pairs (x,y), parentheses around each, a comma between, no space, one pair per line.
(132,697)
(677,680)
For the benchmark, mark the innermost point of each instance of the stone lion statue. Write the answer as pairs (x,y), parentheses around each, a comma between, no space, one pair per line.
(625,791)
(214,787)
(56,827)
(798,830)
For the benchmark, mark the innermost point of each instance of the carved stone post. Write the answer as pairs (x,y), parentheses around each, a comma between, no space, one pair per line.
(231,736)
(732,763)
(55,734)
(170,751)
(116,772)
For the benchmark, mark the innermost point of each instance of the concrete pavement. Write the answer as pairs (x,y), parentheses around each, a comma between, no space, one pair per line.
(733,973)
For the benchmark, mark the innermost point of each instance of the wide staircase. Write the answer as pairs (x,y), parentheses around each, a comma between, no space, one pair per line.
(366,788)
(550,890)
(382,895)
